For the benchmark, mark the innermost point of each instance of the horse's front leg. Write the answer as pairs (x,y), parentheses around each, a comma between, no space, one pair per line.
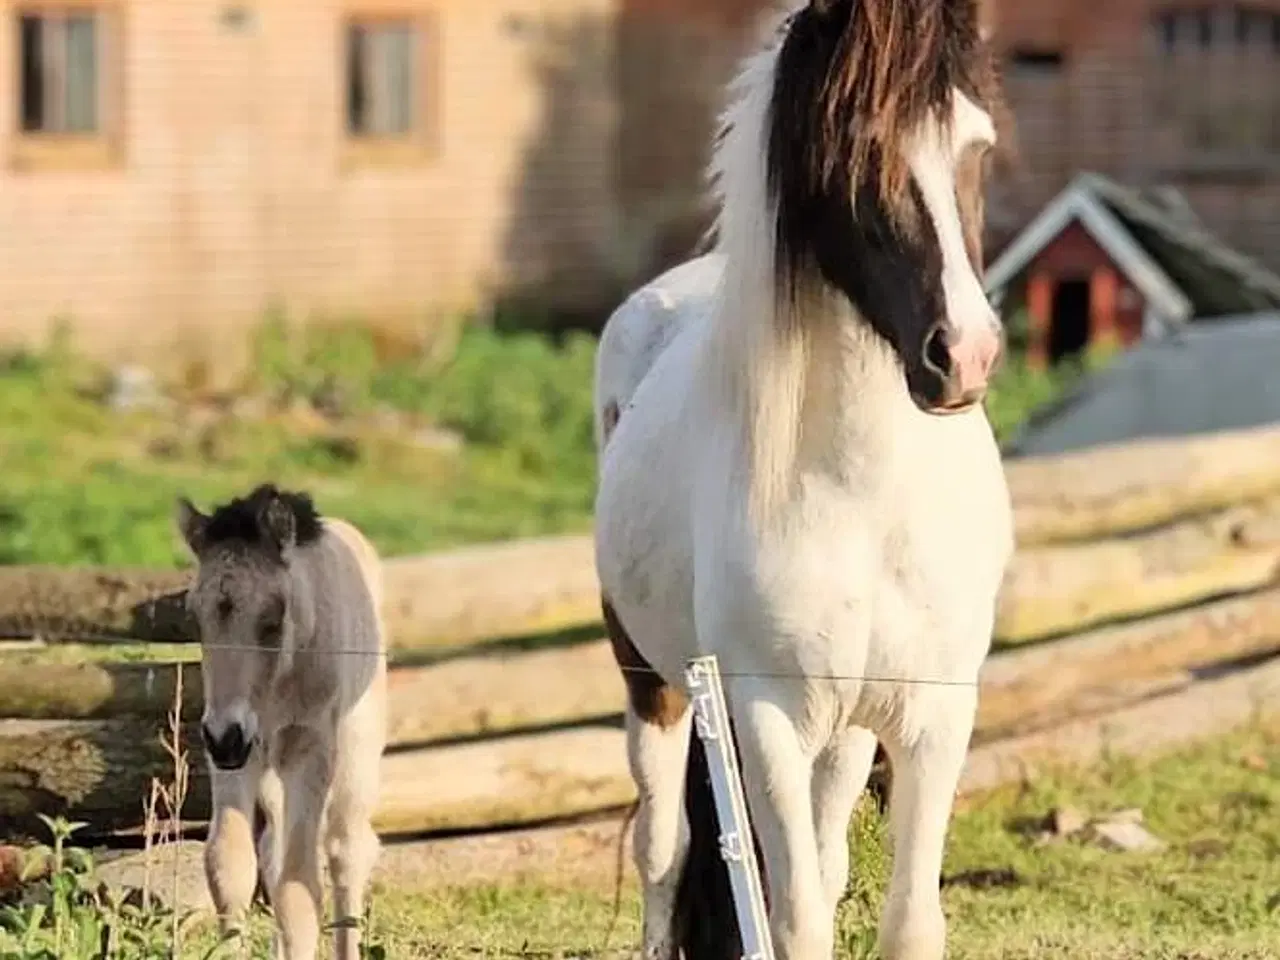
(777,773)
(306,764)
(840,775)
(926,772)
(230,860)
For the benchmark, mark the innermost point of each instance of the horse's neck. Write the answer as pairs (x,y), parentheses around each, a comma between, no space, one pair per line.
(817,392)
(855,398)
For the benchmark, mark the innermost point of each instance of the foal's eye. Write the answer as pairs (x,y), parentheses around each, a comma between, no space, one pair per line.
(269,634)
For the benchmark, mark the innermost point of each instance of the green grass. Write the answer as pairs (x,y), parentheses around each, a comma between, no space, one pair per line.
(86,485)
(1213,894)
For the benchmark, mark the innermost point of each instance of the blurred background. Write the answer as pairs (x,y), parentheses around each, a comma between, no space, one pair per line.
(363,246)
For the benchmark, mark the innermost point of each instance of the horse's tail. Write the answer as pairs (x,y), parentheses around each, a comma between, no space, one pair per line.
(706,923)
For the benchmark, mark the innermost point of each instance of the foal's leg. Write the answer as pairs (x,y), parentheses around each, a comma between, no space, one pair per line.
(840,774)
(230,861)
(926,771)
(306,771)
(271,842)
(350,843)
(777,774)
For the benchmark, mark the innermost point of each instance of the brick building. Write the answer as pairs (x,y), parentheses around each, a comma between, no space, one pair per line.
(1183,93)
(172,167)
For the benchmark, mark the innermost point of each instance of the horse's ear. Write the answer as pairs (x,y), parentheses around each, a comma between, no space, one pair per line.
(192,524)
(278,525)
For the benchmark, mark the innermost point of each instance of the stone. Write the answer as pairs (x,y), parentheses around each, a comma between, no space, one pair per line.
(1125,837)
(133,387)
(176,875)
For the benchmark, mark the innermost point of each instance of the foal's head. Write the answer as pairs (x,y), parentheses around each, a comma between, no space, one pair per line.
(880,124)
(246,601)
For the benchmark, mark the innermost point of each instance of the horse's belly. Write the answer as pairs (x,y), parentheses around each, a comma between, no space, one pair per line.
(644,549)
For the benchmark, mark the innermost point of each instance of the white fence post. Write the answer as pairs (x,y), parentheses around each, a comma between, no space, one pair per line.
(711,720)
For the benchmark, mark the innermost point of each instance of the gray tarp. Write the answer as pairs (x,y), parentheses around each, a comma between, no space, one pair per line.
(1210,375)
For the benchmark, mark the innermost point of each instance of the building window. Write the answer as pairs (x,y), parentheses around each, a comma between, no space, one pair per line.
(389,87)
(1216,69)
(66,89)
(380,78)
(1027,60)
(60,62)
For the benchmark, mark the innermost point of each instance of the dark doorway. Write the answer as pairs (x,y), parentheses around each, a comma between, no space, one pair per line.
(1069,330)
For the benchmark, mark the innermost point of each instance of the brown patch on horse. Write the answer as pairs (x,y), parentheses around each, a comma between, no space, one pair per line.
(867,73)
(971,200)
(609,419)
(652,698)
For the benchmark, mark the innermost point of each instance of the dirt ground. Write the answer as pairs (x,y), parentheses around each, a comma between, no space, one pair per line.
(579,855)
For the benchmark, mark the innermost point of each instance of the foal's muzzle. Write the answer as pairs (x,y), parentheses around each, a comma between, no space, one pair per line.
(230,750)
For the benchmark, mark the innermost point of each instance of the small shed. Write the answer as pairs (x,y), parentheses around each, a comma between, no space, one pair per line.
(1107,262)
(1201,378)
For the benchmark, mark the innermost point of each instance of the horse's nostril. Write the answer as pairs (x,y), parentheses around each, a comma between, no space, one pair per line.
(937,350)
(229,751)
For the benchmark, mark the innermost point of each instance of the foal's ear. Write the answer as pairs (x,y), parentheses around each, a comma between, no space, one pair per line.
(277,524)
(192,524)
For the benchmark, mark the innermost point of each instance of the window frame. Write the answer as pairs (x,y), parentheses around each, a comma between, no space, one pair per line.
(42,150)
(421,144)
(1234,26)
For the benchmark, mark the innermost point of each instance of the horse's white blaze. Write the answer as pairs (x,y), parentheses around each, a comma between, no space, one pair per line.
(933,162)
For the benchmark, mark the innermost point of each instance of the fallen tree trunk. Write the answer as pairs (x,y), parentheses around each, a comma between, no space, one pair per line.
(1204,709)
(461,697)
(1043,684)
(96,770)
(481,592)
(487,693)
(1123,488)
(1050,591)
(534,585)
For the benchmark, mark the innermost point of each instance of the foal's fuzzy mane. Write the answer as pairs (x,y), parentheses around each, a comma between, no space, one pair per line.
(237,520)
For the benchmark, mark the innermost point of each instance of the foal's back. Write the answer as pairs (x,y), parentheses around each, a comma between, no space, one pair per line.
(345,582)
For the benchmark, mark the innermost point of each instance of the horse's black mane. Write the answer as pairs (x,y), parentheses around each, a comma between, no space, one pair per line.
(238,519)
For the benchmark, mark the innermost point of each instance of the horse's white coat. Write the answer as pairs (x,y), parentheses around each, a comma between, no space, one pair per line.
(772,495)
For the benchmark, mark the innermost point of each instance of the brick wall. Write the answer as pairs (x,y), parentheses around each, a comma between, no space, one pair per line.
(230,185)
(1102,86)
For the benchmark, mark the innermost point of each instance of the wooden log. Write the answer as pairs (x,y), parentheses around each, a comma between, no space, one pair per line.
(1122,488)
(488,693)
(96,771)
(100,771)
(519,779)
(475,593)
(1043,684)
(57,603)
(1205,709)
(462,697)
(1053,590)
(546,584)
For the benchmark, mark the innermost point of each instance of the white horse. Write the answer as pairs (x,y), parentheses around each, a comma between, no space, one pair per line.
(779,485)
(294,669)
